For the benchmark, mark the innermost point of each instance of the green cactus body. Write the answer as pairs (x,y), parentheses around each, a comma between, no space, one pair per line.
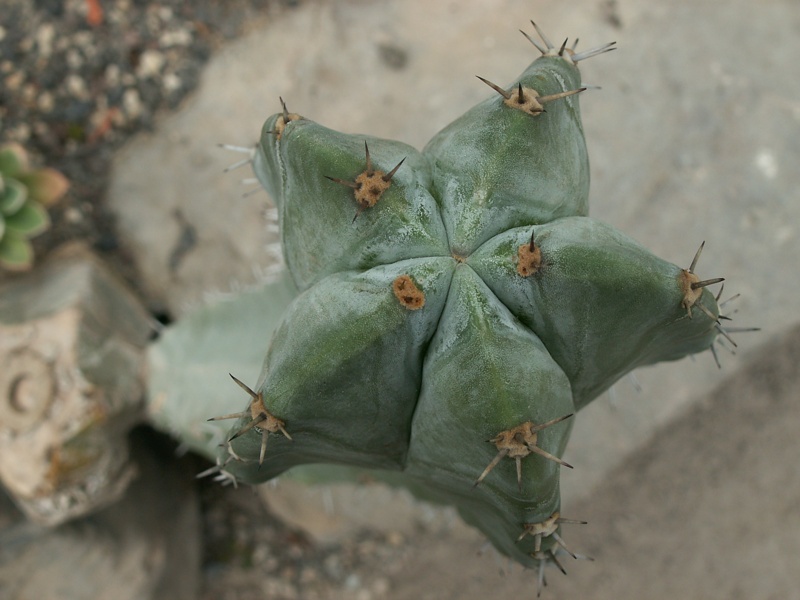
(456,307)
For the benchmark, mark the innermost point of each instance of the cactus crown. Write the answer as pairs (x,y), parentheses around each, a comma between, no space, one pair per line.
(457,306)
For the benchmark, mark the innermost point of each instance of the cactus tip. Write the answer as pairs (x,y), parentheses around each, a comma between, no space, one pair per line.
(567,53)
(261,420)
(370,185)
(283,120)
(692,287)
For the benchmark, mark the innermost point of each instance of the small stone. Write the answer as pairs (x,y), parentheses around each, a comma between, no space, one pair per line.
(28,94)
(20,133)
(74,59)
(333,566)
(171,82)
(275,588)
(76,86)
(44,39)
(308,575)
(73,215)
(132,103)
(395,538)
(352,582)
(14,81)
(179,37)
(112,75)
(150,64)
(380,587)
(85,40)
(45,102)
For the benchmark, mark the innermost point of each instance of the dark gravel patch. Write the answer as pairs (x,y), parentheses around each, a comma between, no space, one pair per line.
(76,82)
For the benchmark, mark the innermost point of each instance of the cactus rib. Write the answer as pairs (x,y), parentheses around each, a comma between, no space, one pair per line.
(469,313)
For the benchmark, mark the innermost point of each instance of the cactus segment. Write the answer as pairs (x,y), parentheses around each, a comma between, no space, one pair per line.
(498,167)
(486,373)
(601,303)
(344,370)
(692,288)
(316,213)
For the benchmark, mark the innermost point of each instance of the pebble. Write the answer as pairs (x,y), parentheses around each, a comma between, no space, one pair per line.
(132,103)
(44,39)
(171,83)
(45,102)
(76,86)
(150,64)
(179,37)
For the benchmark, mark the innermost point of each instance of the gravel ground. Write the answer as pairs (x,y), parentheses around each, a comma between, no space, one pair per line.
(79,77)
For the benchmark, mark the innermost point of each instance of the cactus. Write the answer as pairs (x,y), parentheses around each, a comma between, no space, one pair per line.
(24,195)
(455,307)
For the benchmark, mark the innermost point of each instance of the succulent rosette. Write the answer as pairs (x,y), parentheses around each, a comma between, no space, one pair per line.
(25,194)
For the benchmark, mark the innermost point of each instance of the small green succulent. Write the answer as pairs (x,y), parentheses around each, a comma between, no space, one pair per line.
(25,194)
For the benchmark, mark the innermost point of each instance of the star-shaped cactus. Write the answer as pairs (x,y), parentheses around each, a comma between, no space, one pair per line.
(456,306)
(25,194)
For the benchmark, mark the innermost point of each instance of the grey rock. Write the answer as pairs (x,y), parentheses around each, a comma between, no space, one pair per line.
(72,340)
(145,547)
